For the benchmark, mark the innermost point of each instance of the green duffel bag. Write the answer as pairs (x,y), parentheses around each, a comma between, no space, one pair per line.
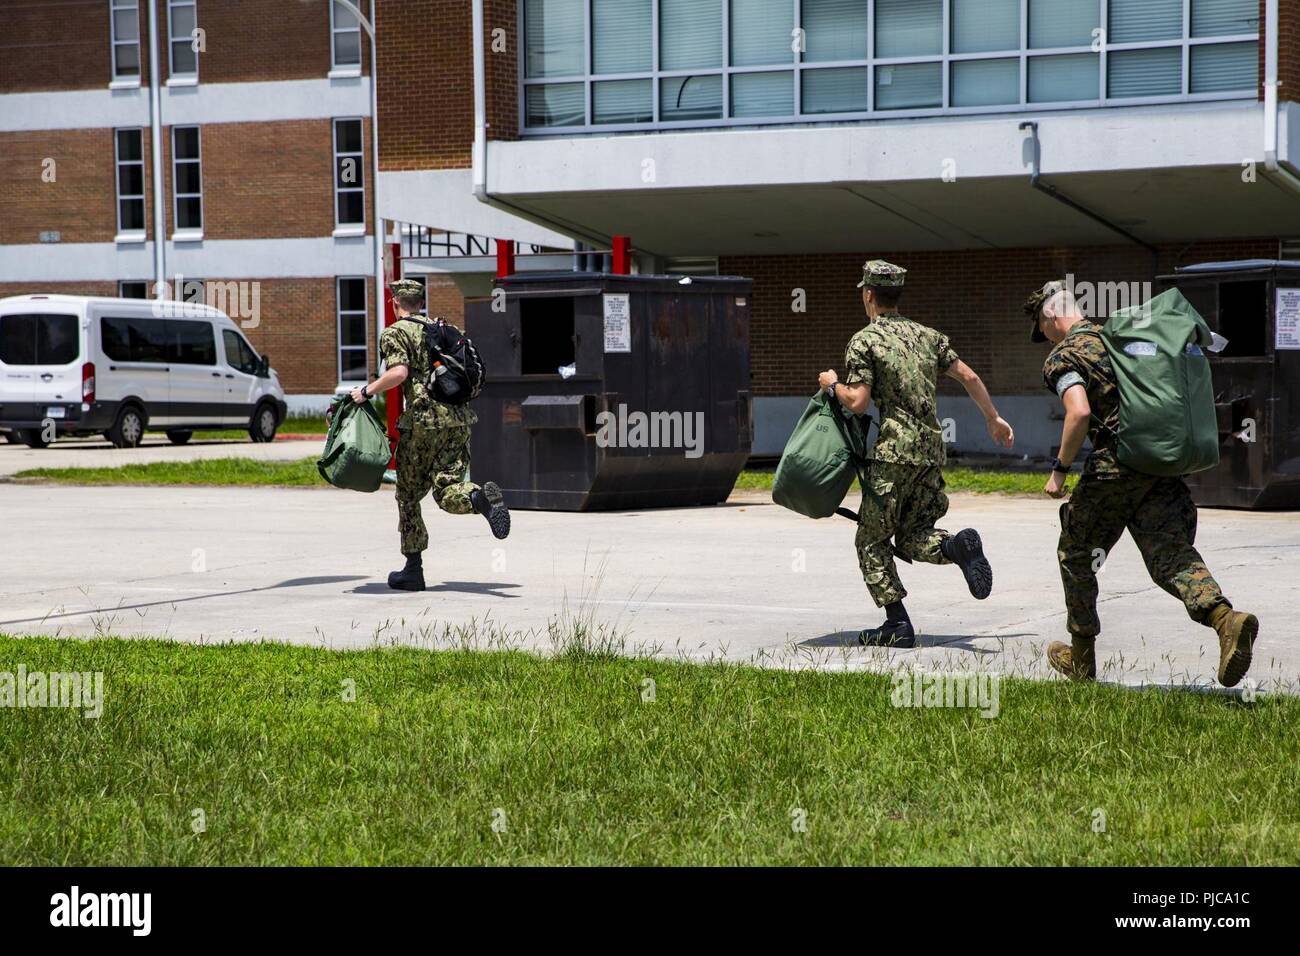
(356,449)
(824,454)
(1168,425)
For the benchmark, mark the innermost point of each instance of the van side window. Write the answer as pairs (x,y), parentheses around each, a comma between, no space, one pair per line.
(238,353)
(191,342)
(157,340)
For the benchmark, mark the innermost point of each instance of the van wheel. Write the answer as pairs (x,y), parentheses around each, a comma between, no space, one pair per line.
(32,438)
(128,430)
(179,437)
(263,426)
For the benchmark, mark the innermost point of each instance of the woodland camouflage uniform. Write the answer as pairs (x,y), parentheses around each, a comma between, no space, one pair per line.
(433,445)
(903,498)
(1158,512)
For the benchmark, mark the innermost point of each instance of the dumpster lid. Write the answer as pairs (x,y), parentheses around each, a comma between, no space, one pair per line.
(658,283)
(1239,265)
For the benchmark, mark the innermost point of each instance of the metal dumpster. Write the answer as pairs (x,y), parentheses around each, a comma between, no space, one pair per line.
(1255,305)
(652,408)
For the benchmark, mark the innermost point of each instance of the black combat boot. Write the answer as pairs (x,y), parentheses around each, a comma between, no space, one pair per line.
(965,550)
(411,577)
(895,632)
(490,503)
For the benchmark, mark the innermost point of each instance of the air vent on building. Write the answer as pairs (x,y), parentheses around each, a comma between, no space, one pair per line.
(691,266)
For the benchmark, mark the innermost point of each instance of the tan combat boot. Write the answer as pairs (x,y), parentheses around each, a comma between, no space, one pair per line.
(1237,632)
(1076,660)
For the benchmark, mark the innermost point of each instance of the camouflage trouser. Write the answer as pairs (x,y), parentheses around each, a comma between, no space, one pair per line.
(1161,517)
(434,459)
(902,502)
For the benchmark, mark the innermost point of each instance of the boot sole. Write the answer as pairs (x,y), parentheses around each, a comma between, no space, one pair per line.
(498,515)
(974,566)
(1234,668)
(902,641)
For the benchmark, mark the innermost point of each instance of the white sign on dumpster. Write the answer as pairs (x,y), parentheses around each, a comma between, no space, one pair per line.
(618,323)
(1288,319)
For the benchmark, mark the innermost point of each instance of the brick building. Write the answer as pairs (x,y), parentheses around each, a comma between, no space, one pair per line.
(263,119)
(785,140)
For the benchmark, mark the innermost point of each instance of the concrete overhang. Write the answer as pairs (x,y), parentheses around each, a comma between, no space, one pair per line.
(1167,174)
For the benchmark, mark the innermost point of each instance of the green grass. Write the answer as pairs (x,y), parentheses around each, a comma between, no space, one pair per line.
(294,425)
(249,471)
(582,770)
(958,479)
(205,471)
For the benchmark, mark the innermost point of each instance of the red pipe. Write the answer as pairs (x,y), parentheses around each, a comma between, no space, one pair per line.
(394,396)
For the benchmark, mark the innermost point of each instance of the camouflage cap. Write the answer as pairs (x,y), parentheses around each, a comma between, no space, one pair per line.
(878,272)
(406,287)
(1034,306)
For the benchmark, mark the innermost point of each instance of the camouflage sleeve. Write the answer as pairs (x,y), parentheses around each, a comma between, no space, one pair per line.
(947,354)
(394,347)
(858,368)
(1062,372)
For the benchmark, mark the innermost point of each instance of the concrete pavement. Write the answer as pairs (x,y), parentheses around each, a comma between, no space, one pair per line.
(745,581)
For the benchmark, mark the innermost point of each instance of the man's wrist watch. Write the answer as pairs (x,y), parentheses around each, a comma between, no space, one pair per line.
(364,393)
(830,389)
(1058,465)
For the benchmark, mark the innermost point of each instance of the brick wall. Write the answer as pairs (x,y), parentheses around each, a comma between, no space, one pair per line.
(81,200)
(974,296)
(426,81)
(444,299)
(299,330)
(44,46)
(1288,49)
(267,180)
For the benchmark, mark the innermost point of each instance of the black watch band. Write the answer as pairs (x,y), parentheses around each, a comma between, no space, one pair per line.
(364,393)
(1058,465)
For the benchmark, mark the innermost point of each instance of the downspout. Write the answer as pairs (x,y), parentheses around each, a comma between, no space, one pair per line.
(378,230)
(155,150)
(1036,181)
(1272,104)
(478,160)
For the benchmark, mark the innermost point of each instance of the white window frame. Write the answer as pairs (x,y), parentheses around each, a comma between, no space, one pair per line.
(128,235)
(173,78)
(339,313)
(800,65)
(349,228)
(128,81)
(338,69)
(189,233)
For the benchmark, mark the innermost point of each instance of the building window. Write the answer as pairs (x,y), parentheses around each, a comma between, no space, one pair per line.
(345,31)
(128,146)
(602,65)
(124,24)
(187,179)
(349,178)
(352,329)
(182,21)
(133,290)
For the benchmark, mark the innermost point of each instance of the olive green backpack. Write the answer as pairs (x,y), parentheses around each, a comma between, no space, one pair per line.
(1167,422)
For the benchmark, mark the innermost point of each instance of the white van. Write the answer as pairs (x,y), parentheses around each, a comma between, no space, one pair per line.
(120,367)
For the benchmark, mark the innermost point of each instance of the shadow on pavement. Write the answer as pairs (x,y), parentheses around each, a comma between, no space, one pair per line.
(955,641)
(460,587)
(292,583)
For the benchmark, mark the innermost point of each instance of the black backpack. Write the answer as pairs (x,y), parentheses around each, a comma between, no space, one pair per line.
(451,349)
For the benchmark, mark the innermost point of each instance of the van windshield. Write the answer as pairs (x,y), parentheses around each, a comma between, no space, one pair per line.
(39,339)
